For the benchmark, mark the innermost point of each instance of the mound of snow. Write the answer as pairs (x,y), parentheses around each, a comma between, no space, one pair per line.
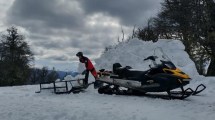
(133,52)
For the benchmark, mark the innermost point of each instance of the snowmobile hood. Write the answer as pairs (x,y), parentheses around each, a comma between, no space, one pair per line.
(177,72)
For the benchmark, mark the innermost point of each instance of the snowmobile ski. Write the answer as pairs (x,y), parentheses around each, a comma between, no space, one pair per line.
(197,90)
(107,89)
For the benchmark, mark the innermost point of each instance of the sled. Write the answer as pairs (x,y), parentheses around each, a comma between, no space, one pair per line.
(64,86)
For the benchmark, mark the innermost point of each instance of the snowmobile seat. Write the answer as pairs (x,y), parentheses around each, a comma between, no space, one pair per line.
(119,70)
(127,72)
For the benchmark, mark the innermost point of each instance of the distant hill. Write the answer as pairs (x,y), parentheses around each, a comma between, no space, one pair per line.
(62,74)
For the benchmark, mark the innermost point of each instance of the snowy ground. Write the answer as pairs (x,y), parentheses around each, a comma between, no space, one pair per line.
(22,103)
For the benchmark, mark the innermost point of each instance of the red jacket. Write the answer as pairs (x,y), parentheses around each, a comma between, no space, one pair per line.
(88,64)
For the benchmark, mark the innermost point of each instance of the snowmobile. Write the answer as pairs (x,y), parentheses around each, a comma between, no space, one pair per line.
(162,77)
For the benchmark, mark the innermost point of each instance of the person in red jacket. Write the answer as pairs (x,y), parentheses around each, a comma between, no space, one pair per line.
(89,67)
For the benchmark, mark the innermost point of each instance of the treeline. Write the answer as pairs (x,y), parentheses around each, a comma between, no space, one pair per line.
(192,22)
(43,75)
(16,62)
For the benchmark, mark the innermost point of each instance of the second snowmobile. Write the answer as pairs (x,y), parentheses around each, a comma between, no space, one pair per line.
(163,77)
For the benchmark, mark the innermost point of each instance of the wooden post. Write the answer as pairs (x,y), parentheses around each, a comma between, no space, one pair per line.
(40,86)
(66,86)
(54,87)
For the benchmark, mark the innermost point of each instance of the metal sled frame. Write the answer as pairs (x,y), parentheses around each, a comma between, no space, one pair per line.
(74,89)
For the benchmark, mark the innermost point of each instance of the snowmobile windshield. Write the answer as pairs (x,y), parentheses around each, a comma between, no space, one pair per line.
(162,59)
(168,64)
(160,54)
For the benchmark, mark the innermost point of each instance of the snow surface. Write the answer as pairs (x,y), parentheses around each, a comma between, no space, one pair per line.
(134,51)
(22,103)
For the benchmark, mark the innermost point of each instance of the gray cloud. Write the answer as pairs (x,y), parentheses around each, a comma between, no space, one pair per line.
(58,28)
(58,57)
(44,13)
(49,44)
(49,20)
(130,12)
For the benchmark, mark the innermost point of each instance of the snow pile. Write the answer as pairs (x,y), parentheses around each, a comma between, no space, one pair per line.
(70,77)
(133,52)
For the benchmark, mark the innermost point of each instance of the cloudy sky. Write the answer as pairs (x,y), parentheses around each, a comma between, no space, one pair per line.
(57,29)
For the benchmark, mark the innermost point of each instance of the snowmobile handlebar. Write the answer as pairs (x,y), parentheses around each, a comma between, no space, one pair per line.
(151,58)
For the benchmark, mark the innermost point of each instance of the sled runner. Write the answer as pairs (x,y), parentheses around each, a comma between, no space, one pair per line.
(162,77)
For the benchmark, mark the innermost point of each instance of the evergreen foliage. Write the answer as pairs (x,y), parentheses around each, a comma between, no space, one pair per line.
(16,57)
(192,22)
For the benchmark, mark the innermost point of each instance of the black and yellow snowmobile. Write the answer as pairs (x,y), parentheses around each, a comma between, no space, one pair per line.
(162,77)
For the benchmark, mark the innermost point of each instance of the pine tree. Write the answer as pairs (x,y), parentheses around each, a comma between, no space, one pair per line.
(15,58)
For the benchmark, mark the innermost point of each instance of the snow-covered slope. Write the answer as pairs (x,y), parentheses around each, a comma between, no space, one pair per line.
(22,103)
(133,52)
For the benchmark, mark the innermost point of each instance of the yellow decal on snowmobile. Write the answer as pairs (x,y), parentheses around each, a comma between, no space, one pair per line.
(176,72)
